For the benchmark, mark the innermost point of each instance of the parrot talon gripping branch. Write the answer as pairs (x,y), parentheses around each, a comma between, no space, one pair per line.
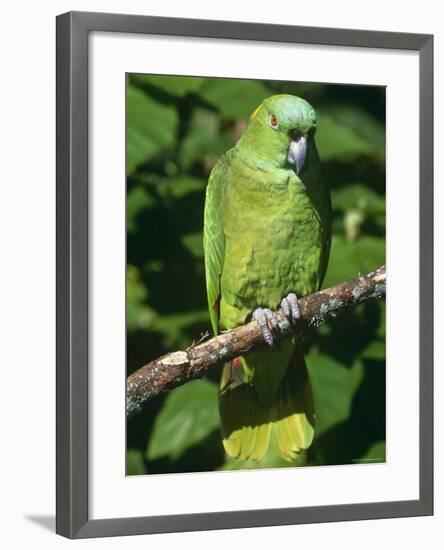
(267,322)
(290,307)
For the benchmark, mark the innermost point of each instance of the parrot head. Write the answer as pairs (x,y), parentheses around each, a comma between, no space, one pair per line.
(280,132)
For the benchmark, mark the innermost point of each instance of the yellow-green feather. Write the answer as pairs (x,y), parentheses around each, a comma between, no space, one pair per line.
(248,421)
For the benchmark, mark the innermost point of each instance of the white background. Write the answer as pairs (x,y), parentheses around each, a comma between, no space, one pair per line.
(27,276)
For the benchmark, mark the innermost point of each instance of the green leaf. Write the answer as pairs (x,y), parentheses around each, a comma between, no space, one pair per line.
(375,350)
(151,127)
(190,413)
(137,200)
(343,264)
(358,196)
(358,203)
(138,314)
(335,140)
(172,187)
(234,98)
(362,124)
(375,454)
(174,85)
(350,259)
(134,463)
(204,141)
(194,243)
(173,327)
(180,186)
(199,145)
(334,386)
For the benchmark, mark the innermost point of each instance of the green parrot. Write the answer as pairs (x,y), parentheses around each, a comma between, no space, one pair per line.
(267,234)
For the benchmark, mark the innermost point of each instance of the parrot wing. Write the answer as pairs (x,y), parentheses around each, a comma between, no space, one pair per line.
(214,239)
(314,178)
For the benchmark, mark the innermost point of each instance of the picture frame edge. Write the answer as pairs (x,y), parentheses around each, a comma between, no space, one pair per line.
(72,30)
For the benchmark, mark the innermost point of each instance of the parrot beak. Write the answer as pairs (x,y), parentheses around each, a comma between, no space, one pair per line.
(297,151)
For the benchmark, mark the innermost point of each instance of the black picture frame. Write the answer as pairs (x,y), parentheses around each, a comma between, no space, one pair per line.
(72,519)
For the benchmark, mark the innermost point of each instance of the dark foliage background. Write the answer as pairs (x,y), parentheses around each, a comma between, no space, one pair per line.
(176,129)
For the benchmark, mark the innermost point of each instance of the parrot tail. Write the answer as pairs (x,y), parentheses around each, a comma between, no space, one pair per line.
(249,421)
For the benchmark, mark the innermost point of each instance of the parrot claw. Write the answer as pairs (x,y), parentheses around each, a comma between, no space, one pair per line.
(290,308)
(267,322)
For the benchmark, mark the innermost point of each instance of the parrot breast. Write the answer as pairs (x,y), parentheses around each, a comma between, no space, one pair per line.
(273,240)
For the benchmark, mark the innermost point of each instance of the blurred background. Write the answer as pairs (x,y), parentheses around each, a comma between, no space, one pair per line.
(176,129)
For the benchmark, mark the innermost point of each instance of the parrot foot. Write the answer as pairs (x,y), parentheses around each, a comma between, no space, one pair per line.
(290,308)
(267,322)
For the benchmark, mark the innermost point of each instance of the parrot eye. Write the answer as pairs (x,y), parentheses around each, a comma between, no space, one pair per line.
(274,122)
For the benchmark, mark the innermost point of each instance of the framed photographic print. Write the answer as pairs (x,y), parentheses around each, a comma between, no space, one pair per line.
(228,197)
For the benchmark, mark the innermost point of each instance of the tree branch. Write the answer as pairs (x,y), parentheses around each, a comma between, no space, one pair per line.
(174,369)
